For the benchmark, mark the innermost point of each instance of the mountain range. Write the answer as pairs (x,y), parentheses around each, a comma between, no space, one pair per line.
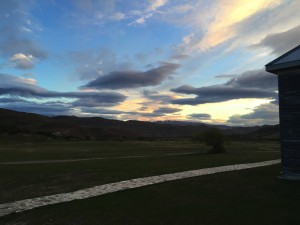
(28,126)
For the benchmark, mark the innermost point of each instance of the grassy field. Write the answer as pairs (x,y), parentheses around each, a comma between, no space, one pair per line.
(244,197)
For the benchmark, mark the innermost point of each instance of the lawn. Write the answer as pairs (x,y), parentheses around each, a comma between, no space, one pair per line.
(226,198)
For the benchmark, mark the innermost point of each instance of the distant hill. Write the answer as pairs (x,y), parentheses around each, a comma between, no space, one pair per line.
(29,126)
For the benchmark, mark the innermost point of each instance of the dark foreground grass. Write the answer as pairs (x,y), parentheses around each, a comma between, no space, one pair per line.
(248,197)
(61,150)
(33,180)
(22,151)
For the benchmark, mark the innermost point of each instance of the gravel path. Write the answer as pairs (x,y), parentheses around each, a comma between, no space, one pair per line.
(88,159)
(27,204)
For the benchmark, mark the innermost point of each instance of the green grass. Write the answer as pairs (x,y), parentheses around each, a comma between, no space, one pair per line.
(32,180)
(249,197)
(192,200)
(77,150)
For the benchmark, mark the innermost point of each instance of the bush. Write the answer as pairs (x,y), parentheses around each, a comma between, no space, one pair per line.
(213,137)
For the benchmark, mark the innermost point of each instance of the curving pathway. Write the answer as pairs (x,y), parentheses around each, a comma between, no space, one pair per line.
(27,204)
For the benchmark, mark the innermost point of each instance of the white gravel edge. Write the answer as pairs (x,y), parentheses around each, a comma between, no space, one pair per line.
(27,204)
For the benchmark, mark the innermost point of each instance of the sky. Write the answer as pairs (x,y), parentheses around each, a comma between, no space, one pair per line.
(150,60)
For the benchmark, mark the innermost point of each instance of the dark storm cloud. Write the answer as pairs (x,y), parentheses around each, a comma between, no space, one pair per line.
(156,113)
(263,114)
(100,111)
(166,110)
(48,109)
(219,93)
(281,42)
(255,79)
(11,100)
(199,116)
(85,97)
(55,108)
(104,100)
(156,96)
(251,84)
(15,86)
(133,79)
(20,94)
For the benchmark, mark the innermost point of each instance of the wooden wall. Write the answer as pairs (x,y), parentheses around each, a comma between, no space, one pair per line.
(289,102)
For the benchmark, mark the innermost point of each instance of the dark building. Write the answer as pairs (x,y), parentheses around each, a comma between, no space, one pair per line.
(287,67)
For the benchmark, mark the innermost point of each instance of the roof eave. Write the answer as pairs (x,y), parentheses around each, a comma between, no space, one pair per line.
(274,68)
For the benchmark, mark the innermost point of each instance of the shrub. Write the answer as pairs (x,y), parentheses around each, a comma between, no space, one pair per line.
(213,137)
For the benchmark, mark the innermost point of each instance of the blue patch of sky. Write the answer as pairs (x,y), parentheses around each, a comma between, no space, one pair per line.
(13,71)
(225,64)
(54,77)
(125,40)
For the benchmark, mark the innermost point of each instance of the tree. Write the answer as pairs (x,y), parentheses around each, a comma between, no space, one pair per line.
(215,138)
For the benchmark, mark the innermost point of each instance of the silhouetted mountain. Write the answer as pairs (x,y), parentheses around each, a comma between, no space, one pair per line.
(20,125)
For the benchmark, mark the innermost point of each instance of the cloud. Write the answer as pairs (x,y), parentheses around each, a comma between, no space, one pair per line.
(11,100)
(118,16)
(216,22)
(100,111)
(179,57)
(97,111)
(156,96)
(281,42)
(15,39)
(14,45)
(8,81)
(48,109)
(261,115)
(251,84)
(221,28)
(28,74)
(199,116)
(94,13)
(133,79)
(22,94)
(86,98)
(22,61)
(149,11)
(219,93)
(156,4)
(166,110)
(103,100)
(90,63)
(55,108)
(225,76)
(255,79)
(25,87)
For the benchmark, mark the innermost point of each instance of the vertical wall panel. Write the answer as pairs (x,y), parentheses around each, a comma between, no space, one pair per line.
(289,103)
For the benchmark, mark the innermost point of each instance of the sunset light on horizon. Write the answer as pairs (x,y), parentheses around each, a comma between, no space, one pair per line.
(150,60)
